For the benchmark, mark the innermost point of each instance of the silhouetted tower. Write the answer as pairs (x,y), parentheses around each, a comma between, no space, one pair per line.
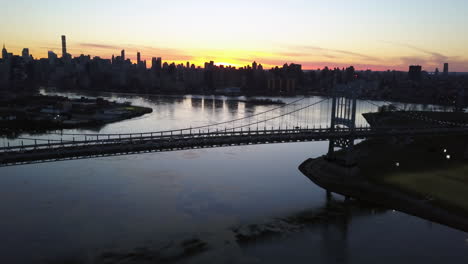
(446,68)
(254,65)
(122,55)
(64,46)
(25,53)
(4,52)
(52,57)
(138,58)
(343,115)
(156,63)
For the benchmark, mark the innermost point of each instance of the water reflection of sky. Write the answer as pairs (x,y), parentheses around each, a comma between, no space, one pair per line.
(177,112)
(86,206)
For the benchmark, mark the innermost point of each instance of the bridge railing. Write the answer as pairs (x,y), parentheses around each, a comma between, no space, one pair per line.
(181,135)
(143,139)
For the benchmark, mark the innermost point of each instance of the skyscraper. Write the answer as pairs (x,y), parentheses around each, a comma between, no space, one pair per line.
(156,63)
(25,53)
(64,46)
(52,57)
(122,55)
(4,52)
(415,72)
(138,58)
(446,68)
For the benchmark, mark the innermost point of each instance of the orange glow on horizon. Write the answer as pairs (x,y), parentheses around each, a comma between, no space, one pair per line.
(309,60)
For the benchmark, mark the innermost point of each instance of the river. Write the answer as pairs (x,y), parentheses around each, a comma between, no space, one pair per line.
(76,210)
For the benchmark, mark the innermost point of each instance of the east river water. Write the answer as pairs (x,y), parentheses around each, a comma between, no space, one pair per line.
(75,210)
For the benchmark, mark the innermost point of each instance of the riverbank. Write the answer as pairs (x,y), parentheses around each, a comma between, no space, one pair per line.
(426,177)
(38,113)
(396,100)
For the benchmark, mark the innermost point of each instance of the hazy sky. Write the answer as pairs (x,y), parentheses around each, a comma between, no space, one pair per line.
(376,34)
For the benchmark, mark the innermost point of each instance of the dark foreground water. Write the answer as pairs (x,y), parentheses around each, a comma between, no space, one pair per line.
(73,211)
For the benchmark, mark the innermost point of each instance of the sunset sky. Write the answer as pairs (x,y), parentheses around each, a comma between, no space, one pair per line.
(373,34)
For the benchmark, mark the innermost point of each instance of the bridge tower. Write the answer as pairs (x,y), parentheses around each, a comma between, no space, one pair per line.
(343,117)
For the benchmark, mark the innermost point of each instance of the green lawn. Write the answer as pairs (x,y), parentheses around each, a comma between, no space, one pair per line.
(446,186)
(423,170)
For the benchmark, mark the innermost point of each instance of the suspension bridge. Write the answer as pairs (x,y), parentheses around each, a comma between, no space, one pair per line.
(336,119)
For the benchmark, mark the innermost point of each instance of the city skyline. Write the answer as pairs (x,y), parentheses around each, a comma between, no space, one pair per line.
(385,36)
(148,61)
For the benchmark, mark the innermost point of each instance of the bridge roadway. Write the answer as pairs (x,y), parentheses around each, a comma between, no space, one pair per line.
(112,145)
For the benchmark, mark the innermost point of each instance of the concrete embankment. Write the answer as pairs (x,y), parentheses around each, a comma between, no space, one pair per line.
(348,182)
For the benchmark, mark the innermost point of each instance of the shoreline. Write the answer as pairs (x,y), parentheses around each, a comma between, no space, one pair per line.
(44,113)
(348,182)
(305,94)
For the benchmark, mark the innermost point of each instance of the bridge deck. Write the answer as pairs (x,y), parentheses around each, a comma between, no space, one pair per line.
(66,150)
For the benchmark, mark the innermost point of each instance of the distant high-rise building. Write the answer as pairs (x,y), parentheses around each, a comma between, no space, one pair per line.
(52,57)
(122,55)
(25,53)
(64,46)
(156,63)
(415,72)
(254,65)
(138,58)
(4,53)
(188,65)
(446,68)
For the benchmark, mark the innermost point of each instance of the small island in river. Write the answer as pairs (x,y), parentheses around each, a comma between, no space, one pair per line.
(40,113)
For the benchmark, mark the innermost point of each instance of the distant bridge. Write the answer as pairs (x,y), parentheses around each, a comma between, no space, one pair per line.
(270,127)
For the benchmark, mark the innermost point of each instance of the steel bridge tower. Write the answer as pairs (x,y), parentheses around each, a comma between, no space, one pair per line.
(343,117)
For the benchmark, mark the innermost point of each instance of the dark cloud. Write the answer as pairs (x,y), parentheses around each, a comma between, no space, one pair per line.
(292,54)
(326,51)
(98,46)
